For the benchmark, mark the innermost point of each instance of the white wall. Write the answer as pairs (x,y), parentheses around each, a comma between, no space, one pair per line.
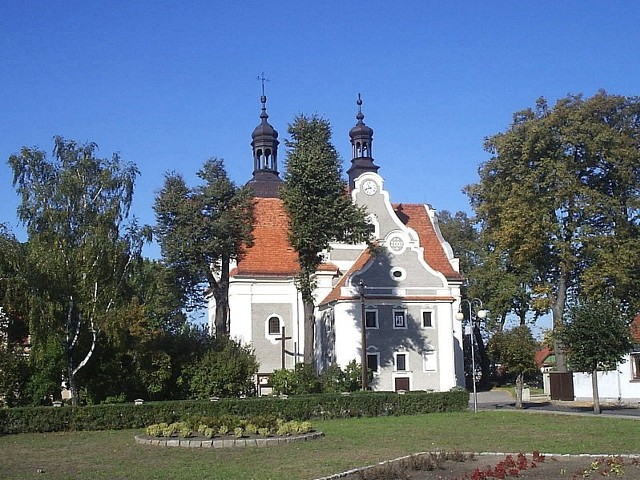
(613,385)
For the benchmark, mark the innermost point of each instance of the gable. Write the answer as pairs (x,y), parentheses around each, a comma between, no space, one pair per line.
(416,217)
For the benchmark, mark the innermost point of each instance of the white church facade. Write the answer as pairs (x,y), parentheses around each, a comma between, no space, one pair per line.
(408,290)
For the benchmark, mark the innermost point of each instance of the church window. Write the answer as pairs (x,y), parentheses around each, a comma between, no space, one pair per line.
(399,319)
(373,360)
(274,325)
(401,362)
(398,274)
(427,319)
(371,319)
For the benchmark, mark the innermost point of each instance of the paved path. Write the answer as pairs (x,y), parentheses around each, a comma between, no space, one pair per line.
(499,399)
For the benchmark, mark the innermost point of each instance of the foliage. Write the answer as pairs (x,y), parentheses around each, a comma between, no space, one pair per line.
(126,416)
(301,380)
(226,370)
(14,377)
(214,426)
(515,350)
(320,211)
(201,230)
(596,334)
(79,249)
(558,202)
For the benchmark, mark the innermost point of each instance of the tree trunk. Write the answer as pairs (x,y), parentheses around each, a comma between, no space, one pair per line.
(309,327)
(222,309)
(519,386)
(73,388)
(594,387)
(220,290)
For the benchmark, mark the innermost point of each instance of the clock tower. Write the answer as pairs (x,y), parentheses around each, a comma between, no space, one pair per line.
(361,140)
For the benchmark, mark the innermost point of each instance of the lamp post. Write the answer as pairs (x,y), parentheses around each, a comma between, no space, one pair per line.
(476,314)
(363,358)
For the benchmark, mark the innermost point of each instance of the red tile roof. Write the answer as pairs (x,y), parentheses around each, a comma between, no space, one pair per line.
(360,262)
(415,216)
(271,253)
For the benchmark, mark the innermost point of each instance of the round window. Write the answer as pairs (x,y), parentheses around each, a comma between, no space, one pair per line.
(398,274)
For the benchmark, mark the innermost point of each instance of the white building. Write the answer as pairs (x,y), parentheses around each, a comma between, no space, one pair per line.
(412,287)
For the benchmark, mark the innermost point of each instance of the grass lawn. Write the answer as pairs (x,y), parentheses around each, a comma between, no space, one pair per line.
(347,444)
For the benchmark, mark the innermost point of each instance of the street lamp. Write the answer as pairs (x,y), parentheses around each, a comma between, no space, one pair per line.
(363,358)
(476,313)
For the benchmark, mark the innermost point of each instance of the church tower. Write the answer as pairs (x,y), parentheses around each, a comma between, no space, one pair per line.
(264,141)
(361,156)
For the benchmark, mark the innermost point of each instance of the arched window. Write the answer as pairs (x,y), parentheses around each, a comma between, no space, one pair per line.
(274,326)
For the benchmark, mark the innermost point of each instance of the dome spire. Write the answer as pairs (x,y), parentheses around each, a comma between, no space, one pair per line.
(265,153)
(361,140)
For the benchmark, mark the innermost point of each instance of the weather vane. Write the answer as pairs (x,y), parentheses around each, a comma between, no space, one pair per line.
(263,80)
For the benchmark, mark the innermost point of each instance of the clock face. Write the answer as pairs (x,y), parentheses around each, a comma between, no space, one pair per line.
(369,187)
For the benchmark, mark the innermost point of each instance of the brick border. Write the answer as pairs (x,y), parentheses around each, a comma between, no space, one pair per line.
(226,442)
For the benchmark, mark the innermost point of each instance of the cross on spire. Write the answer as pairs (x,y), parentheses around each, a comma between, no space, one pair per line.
(262,79)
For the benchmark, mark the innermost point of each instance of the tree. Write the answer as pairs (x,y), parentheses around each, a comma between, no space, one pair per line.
(226,370)
(319,209)
(201,230)
(597,336)
(515,350)
(558,202)
(79,248)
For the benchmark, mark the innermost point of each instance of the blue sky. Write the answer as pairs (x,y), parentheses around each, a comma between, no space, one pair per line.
(169,84)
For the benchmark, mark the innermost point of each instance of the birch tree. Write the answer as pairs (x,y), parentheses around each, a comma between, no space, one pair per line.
(80,247)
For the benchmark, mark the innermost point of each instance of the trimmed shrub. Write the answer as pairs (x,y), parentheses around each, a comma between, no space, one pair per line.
(324,406)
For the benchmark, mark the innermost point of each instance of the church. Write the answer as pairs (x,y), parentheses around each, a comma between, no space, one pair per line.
(405,296)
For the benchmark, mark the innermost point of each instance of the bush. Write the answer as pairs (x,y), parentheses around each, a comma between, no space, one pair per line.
(261,410)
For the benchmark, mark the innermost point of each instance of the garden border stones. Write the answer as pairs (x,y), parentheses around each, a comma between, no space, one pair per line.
(226,442)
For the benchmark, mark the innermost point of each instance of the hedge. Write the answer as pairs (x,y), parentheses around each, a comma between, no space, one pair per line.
(307,407)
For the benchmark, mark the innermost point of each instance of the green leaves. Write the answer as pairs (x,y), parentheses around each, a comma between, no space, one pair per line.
(320,210)
(596,334)
(558,201)
(515,350)
(79,250)
(203,227)
(314,194)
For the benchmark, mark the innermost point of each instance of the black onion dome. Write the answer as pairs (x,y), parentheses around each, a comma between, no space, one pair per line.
(264,129)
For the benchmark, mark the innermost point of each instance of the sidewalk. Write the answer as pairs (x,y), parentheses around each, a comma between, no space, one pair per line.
(500,399)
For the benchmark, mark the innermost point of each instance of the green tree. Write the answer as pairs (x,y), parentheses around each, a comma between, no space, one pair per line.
(558,202)
(80,250)
(226,370)
(319,209)
(201,230)
(14,367)
(515,350)
(597,336)
(301,380)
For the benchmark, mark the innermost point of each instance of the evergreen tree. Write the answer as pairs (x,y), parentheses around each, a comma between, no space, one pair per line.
(201,230)
(320,210)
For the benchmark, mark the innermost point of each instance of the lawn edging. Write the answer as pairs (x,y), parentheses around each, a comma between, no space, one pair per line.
(226,442)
